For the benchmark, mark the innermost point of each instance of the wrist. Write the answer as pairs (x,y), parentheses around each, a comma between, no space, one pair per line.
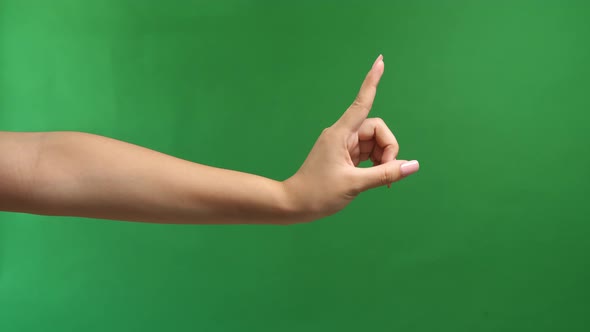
(298,204)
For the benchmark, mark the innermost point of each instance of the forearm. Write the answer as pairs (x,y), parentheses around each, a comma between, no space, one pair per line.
(85,175)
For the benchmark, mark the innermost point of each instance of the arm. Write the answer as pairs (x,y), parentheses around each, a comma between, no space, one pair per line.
(80,174)
(85,175)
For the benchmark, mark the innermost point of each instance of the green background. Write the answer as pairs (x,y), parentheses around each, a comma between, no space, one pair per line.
(492,97)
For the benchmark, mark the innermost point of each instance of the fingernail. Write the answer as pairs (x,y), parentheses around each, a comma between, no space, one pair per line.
(379,58)
(410,167)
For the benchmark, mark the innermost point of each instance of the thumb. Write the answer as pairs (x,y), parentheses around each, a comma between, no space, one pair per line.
(387,173)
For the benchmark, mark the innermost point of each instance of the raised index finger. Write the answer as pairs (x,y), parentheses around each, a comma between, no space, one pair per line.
(359,110)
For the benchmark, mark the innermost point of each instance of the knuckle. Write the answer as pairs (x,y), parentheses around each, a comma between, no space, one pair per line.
(359,104)
(327,132)
(387,176)
(331,132)
(357,101)
(378,122)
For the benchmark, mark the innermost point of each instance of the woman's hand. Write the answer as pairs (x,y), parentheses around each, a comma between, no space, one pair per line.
(329,178)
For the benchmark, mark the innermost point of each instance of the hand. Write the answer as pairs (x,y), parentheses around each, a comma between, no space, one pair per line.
(329,178)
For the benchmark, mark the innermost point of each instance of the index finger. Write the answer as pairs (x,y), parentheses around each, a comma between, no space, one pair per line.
(359,110)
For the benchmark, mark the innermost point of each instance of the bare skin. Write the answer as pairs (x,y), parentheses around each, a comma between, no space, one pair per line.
(86,175)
